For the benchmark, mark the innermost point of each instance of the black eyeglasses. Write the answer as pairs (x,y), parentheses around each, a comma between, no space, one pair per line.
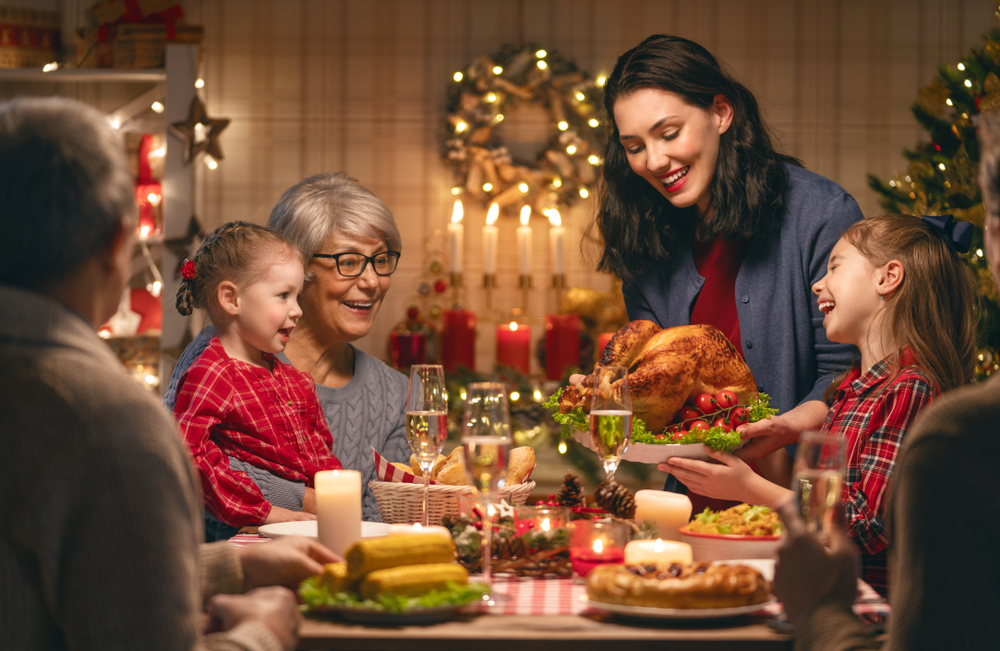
(352,265)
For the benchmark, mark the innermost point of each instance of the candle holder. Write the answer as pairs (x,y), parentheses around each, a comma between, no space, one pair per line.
(558,284)
(456,286)
(489,284)
(541,519)
(525,284)
(593,543)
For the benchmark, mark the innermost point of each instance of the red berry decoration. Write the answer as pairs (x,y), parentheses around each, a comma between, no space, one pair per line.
(551,503)
(540,503)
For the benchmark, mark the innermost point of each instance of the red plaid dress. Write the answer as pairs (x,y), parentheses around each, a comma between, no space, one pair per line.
(271,420)
(874,414)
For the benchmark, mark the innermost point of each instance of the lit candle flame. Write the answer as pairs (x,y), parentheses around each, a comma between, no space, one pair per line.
(490,510)
(513,326)
(143,231)
(546,526)
(598,546)
(525,215)
(417,526)
(554,217)
(492,214)
(658,547)
(457,213)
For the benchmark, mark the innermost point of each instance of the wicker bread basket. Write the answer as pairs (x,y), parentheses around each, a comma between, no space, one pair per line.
(403,503)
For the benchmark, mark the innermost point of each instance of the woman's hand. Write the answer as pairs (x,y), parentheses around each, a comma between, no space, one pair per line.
(576,379)
(279,514)
(776,432)
(286,562)
(729,479)
(273,607)
(806,573)
(309,500)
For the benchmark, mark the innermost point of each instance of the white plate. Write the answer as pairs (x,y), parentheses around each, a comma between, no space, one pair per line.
(654,453)
(374,617)
(308,528)
(645,612)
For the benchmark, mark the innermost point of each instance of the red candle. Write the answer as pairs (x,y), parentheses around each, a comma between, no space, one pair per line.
(584,559)
(514,346)
(458,340)
(562,344)
(602,343)
(407,348)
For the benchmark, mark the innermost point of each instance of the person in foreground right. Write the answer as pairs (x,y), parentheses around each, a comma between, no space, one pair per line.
(944,569)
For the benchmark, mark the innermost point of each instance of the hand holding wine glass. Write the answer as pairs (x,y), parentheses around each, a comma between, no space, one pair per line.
(426,420)
(611,416)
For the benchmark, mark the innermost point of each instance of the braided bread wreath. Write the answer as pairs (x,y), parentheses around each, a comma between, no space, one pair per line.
(673,585)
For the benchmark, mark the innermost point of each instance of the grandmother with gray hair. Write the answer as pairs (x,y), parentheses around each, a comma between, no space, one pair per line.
(341,227)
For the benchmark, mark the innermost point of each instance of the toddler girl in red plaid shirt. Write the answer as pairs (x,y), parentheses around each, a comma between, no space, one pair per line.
(243,413)
(895,288)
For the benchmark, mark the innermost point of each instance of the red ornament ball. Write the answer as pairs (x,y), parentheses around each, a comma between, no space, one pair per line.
(412,313)
(440,286)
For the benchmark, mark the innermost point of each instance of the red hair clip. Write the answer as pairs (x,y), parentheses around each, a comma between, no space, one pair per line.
(187,270)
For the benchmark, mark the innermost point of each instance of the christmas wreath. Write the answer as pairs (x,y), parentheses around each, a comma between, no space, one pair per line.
(492,85)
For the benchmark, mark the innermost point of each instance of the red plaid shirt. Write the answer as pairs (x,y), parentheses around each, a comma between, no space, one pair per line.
(874,415)
(271,420)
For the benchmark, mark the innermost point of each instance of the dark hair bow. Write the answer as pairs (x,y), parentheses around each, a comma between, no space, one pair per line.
(958,231)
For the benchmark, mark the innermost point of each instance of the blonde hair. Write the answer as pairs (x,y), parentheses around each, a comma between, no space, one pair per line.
(932,312)
(238,252)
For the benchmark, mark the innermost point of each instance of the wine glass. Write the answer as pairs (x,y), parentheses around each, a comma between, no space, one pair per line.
(486,439)
(426,420)
(610,416)
(818,480)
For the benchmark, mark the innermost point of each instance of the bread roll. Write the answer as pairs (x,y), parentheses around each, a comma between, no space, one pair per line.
(402,466)
(520,463)
(419,472)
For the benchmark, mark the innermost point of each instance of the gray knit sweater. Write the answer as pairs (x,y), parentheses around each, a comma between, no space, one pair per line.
(367,412)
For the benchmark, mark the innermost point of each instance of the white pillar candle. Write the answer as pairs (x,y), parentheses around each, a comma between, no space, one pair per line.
(557,236)
(417,528)
(670,511)
(456,238)
(338,508)
(524,241)
(657,551)
(490,234)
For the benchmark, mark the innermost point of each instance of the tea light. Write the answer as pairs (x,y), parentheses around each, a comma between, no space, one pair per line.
(657,551)
(594,543)
(541,519)
(338,508)
(670,511)
(417,528)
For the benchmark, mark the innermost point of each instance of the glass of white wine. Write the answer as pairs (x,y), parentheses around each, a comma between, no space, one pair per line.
(818,480)
(426,420)
(611,416)
(486,439)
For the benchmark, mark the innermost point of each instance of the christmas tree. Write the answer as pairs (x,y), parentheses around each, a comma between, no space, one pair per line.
(940,178)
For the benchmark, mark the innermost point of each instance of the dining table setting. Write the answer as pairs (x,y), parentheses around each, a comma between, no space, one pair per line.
(462,561)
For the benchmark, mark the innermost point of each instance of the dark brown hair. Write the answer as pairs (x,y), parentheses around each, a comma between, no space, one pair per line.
(932,312)
(747,193)
(238,252)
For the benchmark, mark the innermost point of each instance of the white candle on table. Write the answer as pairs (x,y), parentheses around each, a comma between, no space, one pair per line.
(557,236)
(657,551)
(338,508)
(417,528)
(670,511)
(456,237)
(524,241)
(490,240)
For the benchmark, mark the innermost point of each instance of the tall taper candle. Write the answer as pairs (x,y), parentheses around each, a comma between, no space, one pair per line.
(557,236)
(338,508)
(524,241)
(456,238)
(490,240)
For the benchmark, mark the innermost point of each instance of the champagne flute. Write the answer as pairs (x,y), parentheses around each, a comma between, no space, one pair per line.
(611,416)
(486,439)
(426,420)
(818,480)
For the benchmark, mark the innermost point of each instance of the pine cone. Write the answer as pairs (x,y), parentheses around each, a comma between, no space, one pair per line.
(507,548)
(571,493)
(615,499)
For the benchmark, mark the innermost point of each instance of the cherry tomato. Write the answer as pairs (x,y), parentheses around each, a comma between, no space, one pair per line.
(660,437)
(679,436)
(698,424)
(726,399)
(706,404)
(723,424)
(690,413)
(738,416)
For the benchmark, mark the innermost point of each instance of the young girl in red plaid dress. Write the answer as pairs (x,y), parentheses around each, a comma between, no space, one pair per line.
(895,288)
(246,416)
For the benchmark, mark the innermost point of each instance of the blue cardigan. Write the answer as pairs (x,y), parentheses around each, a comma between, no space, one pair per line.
(784,342)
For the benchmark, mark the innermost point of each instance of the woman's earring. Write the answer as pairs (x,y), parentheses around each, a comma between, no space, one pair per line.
(881,298)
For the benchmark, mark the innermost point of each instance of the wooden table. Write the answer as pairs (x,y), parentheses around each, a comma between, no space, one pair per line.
(533,633)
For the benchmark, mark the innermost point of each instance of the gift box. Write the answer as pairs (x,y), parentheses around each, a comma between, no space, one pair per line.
(128,45)
(136,11)
(28,38)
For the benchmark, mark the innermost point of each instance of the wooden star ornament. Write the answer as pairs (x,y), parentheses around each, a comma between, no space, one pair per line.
(186,131)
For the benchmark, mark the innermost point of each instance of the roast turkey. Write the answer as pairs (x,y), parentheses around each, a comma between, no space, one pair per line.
(667,368)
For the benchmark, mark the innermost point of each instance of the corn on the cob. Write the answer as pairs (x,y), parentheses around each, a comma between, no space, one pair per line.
(335,578)
(371,554)
(410,580)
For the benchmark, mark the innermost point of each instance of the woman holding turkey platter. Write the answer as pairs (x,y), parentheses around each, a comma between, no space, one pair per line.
(705,223)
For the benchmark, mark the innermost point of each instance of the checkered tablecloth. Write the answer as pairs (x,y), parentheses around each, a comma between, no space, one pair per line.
(564,596)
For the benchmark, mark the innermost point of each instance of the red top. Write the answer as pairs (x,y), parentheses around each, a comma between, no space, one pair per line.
(718,261)
(874,415)
(268,419)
